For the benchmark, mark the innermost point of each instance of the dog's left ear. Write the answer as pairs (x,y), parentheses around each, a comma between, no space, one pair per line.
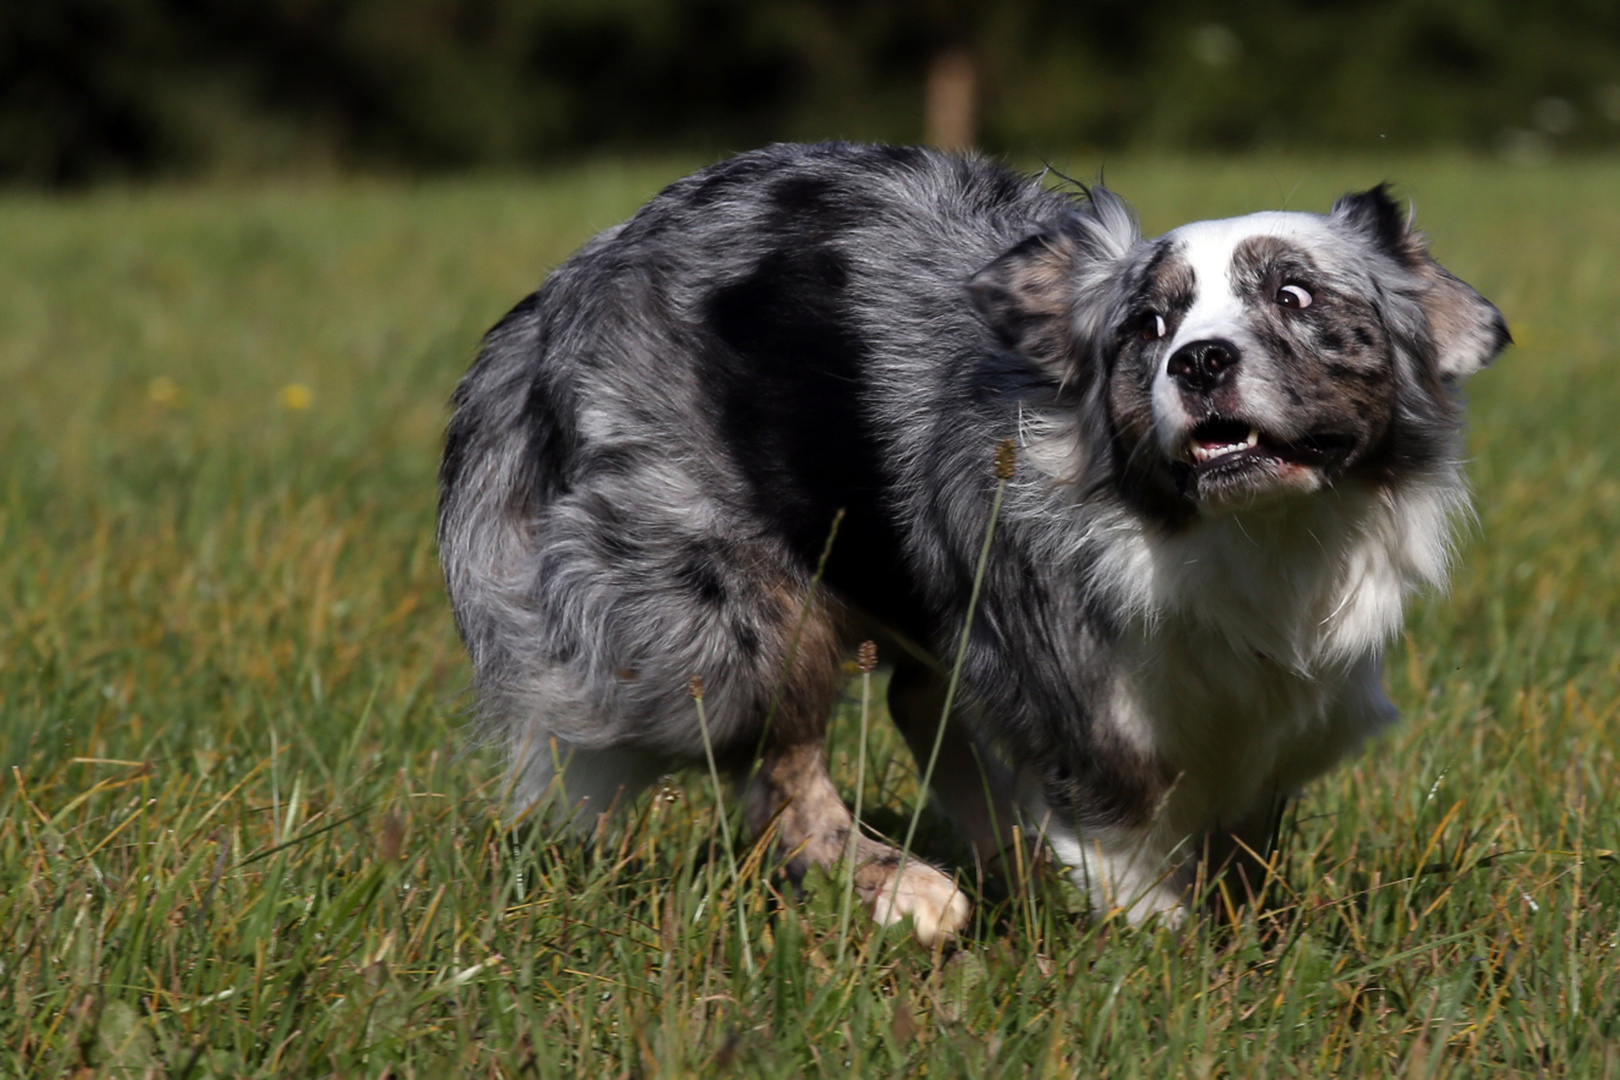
(1033,296)
(1468,330)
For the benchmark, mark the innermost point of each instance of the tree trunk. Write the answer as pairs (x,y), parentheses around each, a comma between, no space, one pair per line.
(951,108)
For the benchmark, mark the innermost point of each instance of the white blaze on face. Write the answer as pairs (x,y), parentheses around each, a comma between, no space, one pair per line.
(1217,311)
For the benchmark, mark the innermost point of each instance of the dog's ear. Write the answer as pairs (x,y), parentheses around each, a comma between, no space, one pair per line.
(1031,296)
(1468,330)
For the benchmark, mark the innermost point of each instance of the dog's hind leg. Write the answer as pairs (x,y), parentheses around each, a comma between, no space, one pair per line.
(813,826)
(584,785)
(792,792)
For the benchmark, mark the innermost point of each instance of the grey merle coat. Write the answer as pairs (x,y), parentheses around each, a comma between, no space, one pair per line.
(1237,455)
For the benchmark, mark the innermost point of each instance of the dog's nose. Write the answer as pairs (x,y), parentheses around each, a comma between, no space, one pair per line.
(1202,365)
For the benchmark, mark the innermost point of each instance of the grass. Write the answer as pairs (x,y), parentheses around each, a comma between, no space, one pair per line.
(241,833)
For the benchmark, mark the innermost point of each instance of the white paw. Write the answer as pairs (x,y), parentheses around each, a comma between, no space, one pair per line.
(1164,906)
(937,907)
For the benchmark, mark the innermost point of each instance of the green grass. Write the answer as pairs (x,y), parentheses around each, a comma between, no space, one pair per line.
(241,833)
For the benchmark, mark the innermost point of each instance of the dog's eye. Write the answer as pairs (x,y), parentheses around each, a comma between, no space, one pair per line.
(1152,327)
(1293,296)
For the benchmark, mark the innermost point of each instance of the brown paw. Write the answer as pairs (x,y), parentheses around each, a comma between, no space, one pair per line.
(938,909)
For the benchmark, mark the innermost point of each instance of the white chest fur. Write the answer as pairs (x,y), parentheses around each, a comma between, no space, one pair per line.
(1252,664)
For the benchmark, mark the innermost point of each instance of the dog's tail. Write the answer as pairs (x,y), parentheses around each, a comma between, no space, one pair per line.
(506,455)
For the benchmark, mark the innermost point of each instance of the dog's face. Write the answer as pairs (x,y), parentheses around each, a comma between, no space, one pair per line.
(1246,360)
(1256,360)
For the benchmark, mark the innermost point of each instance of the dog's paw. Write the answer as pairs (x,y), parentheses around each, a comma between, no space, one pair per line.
(938,909)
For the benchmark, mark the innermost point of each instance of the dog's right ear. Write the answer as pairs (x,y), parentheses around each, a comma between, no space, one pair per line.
(1031,295)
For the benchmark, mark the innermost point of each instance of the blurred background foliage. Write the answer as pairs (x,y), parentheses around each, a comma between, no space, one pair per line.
(99,89)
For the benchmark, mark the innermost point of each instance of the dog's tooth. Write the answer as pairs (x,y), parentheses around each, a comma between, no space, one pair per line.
(1200,452)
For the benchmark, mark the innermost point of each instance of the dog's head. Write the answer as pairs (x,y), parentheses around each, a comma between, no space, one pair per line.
(1240,361)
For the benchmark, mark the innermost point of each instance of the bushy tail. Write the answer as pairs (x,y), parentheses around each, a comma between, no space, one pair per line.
(493,482)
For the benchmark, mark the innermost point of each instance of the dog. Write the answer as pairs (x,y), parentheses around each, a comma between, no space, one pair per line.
(1232,452)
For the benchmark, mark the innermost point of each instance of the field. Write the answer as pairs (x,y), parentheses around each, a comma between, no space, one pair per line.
(242,832)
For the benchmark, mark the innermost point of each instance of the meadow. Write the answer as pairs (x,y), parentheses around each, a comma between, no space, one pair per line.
(243,831)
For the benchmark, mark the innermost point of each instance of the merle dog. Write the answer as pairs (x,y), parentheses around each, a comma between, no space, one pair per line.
(1237,455)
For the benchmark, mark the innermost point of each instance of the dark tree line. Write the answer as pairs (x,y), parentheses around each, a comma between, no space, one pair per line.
(103,88)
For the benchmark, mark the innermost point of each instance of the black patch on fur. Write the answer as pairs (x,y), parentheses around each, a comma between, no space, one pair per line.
(1157,493)
(697,571)
(788,381)
(999,378)
(989,188)
(518,328)
(1501,337)
(799,198)
(712,184)
(1102,790)
(553,439)
(1376,213)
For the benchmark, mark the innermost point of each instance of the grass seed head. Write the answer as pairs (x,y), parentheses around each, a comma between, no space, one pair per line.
(1006,459)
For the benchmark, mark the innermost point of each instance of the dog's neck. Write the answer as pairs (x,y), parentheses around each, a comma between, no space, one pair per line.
(1318,583)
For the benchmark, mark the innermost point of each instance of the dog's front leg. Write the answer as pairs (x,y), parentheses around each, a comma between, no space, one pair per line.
(1238,864)
(972,785)
(813,826)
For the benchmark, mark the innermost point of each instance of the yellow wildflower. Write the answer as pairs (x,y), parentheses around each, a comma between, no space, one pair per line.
(295,397)
(163,391)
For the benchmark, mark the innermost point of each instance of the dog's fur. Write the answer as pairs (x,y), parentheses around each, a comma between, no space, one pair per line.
(1238,454)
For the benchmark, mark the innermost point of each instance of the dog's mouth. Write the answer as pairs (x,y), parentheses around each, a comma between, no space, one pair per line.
(1223,443)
